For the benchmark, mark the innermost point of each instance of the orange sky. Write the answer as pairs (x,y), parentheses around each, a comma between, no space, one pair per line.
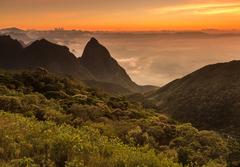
(124,15)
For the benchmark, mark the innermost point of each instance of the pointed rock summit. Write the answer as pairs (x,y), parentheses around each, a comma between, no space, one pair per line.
(97,52)
(97,59)
(93,40)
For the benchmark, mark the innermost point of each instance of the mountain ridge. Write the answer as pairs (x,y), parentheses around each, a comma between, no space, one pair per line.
(59,59)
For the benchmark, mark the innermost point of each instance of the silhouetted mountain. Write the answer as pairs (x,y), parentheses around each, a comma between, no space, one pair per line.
(208,98)
(96,67)
(53,57)
(97,59)
(40,53)
(10,51)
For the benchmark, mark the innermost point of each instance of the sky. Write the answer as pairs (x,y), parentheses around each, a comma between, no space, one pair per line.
(148,60)
(124,15)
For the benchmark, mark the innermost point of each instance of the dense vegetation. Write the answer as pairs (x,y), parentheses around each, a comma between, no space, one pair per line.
(49,120)
(208,98)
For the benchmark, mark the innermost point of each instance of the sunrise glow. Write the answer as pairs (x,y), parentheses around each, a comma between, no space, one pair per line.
(120,16)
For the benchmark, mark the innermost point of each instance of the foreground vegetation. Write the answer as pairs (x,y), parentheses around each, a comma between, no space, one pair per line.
(48,120)
(27,142)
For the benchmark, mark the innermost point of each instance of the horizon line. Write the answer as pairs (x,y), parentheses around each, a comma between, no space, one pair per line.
(124,31)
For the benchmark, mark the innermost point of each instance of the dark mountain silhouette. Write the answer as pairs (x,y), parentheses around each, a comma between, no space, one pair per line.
(208,98)
(53,57)
(96,67)
(40,53)
(97,59)
(10,51)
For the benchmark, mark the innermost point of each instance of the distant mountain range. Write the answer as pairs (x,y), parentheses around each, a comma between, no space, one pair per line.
(65,35)
(209,98)
(96,66)
(16,33)
(12,30)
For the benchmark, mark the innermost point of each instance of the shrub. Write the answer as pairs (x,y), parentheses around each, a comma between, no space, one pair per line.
(10,103)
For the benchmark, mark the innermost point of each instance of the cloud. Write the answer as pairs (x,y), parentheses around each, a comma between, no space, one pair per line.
(201,8)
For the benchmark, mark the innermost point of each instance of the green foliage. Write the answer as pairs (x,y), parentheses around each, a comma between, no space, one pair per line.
(70,125)
(198,147)
(48,144)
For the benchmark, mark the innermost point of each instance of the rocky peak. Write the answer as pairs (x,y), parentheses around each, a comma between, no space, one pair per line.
(97,59)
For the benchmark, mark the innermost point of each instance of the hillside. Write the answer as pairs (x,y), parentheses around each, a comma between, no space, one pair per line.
(73,125)
(111,88)
(208,98)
